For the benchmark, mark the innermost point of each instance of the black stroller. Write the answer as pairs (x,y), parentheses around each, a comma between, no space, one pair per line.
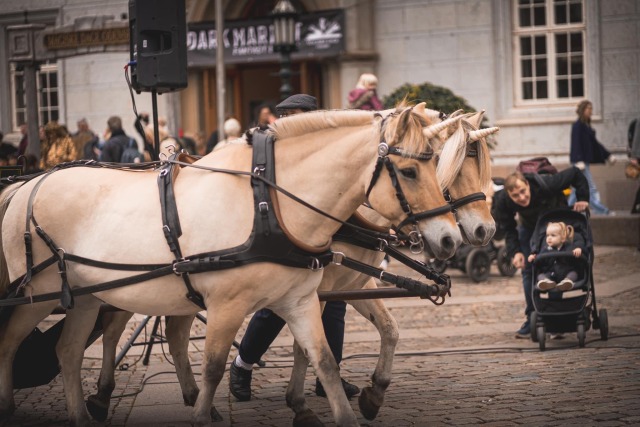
(573,312)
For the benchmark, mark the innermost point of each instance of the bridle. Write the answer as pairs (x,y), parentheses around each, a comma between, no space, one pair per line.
(470,198)
(416,242)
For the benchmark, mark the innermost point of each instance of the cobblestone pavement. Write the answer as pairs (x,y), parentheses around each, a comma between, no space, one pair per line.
(455,364)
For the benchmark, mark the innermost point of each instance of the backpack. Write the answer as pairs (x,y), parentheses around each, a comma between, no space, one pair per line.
(131,154)
(541,166)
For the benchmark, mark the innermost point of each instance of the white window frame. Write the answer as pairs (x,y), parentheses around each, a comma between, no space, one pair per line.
(549,31)
(51,67)
(509,112)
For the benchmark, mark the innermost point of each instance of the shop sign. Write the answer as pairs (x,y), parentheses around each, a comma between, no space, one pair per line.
(318,35)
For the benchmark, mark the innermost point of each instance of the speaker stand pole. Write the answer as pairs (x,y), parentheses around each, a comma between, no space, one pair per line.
(156,131)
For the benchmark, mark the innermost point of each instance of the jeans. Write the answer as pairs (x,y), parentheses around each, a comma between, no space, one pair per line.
(265,326)
(524,236)
(595,204)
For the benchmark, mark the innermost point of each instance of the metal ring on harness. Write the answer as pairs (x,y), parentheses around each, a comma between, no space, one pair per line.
(416,242)
(315,264)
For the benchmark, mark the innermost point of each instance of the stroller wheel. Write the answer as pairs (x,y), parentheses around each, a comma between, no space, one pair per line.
(533,319)
(604,324)
(504,263)
(542,336)
(478,265)
(582,334)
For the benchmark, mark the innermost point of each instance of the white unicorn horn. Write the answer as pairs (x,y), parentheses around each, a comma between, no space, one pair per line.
(475,135)
(433,130)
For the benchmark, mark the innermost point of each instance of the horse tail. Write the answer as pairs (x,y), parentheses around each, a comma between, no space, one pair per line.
(5,197)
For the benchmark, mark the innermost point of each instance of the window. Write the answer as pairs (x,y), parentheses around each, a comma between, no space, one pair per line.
(549,51)
(47,92)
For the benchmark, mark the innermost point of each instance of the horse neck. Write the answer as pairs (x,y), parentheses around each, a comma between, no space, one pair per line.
(328,169)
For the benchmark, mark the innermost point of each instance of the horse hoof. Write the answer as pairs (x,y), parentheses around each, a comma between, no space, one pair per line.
(369,404)
(97,409)
(307,418)
(215,415)
(190,399)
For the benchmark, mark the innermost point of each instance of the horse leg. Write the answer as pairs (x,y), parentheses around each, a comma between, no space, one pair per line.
(371,398)
(113,324)
(23,320)
(70,349)
(178,330)
(223,322)
(306,325)
(295,391)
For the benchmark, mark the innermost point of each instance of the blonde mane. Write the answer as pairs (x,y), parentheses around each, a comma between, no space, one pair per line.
(313,121)
(454,153)
(411,122)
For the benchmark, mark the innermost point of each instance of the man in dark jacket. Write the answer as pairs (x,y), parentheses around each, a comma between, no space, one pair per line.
(265,325)
(529,196)
(115,145)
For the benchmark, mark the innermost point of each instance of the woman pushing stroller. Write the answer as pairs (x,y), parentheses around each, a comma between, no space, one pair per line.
(558,273)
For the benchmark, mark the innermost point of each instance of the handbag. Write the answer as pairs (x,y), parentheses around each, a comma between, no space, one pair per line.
(632,171)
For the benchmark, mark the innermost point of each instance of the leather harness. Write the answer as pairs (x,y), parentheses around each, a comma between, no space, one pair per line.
(268,242)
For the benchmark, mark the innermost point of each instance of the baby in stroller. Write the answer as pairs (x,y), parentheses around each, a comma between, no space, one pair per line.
(558,273)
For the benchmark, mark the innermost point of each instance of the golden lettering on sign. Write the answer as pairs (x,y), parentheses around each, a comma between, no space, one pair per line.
(87,38)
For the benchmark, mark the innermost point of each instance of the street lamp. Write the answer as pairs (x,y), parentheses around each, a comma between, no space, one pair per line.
(284,23)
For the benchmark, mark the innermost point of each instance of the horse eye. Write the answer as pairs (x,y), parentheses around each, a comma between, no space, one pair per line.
(409,173)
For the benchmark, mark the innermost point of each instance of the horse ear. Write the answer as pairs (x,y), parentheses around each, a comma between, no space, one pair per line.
(420,108)
(403,125)
(476,118)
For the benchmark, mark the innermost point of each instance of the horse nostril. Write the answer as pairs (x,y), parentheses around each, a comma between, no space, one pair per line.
(447,244)
(480,233)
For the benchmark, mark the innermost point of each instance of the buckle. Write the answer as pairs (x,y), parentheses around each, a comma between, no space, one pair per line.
(315,265)
(259,170)
(263,207)
(175,266)
(337,258)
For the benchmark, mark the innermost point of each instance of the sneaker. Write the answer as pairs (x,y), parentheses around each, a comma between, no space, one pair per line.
(349,389)
(565,285)
(240,382)
(559,336)
(524,331)
(545,285)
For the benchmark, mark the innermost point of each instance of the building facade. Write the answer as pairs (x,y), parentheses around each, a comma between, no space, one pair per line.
(526,62)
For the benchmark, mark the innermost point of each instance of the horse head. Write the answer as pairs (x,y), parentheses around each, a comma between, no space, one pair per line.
(409,194)
(464,171)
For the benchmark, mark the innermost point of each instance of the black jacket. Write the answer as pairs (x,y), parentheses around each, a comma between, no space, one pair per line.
(504,209)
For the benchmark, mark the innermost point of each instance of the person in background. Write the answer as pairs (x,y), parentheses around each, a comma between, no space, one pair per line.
(265,325)
(116,142)
(586,150)
(57,147)
(266,116)
(232,130)
(524,196)
(364,96)
(24,140)
(8,152)
(86,141)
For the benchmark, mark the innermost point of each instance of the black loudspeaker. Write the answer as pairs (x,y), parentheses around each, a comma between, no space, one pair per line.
(158,45)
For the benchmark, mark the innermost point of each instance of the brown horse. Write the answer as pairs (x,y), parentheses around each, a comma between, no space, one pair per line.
(326,158)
